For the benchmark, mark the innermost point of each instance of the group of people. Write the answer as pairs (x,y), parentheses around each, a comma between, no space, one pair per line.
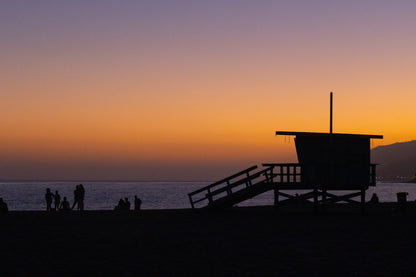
(79,195)
(49,197)
(124,205)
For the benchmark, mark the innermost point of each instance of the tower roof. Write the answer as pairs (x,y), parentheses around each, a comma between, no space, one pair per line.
(312,134)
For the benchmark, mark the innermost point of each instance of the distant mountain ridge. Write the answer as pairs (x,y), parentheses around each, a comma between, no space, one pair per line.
(397,162)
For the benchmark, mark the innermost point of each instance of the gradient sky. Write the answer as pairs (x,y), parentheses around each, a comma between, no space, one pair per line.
(194,90)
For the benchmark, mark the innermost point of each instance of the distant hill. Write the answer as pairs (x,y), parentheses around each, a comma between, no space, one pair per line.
(397,162)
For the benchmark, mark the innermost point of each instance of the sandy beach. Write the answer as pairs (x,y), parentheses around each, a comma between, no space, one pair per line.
(254,241)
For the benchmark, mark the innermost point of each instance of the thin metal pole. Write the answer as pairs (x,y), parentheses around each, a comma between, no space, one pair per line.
(330,116)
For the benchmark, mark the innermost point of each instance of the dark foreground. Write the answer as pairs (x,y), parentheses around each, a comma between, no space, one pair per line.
(240,242)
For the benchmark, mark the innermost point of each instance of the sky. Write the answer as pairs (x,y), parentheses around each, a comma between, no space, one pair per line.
(195,90)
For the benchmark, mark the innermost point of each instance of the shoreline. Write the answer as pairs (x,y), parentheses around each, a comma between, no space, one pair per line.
(382,207)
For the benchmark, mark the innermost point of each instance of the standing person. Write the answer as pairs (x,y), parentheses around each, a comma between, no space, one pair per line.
(48,198)
(137,203)
(57,200)
(126,200)
(76,198)
(81,192)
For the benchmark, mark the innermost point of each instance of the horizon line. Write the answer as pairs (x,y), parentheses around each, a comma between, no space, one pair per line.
(93,180)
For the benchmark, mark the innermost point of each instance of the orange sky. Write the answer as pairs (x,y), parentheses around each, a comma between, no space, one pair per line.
(147,91)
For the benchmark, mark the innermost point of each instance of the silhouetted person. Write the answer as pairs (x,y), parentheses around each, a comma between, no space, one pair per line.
(126,200)
(374,198)
(121,205)
(137,203)
(65,206)
(57,200)
(76,197)
(3,207)
(48,198)
(81,196)
(401,201)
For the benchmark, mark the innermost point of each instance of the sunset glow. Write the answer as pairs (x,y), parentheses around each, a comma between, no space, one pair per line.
(195,90)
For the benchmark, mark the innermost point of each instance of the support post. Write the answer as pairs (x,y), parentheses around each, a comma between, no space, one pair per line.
(276,198)
(362,200)
(324,199)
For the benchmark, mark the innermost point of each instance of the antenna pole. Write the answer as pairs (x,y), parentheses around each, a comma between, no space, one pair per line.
(330,115)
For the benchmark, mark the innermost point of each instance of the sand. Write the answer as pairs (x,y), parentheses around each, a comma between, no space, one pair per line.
(253,241)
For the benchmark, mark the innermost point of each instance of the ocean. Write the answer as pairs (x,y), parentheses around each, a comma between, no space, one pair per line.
(155,195)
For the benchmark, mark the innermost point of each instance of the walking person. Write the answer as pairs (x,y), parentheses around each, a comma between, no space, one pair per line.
(48,197)
(57,200)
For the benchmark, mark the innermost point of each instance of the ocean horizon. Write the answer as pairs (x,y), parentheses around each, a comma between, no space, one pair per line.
(104,195)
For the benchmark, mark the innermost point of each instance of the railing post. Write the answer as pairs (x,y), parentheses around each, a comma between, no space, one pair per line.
(267,176)
(294,174)
(287,173)
(248,183)
(228,188)
(209,196)
(190,200)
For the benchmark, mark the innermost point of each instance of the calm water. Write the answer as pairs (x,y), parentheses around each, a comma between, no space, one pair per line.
(155,195)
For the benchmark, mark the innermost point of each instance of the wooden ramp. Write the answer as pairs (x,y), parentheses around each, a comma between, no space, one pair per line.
(246,184)
(233,189)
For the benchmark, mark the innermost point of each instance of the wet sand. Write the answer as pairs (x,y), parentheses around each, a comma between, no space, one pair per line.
(254,241)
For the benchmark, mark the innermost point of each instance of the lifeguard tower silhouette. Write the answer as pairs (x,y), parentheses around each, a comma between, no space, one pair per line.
(327,162)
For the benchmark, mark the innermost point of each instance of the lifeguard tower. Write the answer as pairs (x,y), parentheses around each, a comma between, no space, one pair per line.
(332,168)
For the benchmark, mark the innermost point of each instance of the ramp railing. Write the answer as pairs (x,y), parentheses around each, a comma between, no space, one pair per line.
(286,173)
(227,186)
